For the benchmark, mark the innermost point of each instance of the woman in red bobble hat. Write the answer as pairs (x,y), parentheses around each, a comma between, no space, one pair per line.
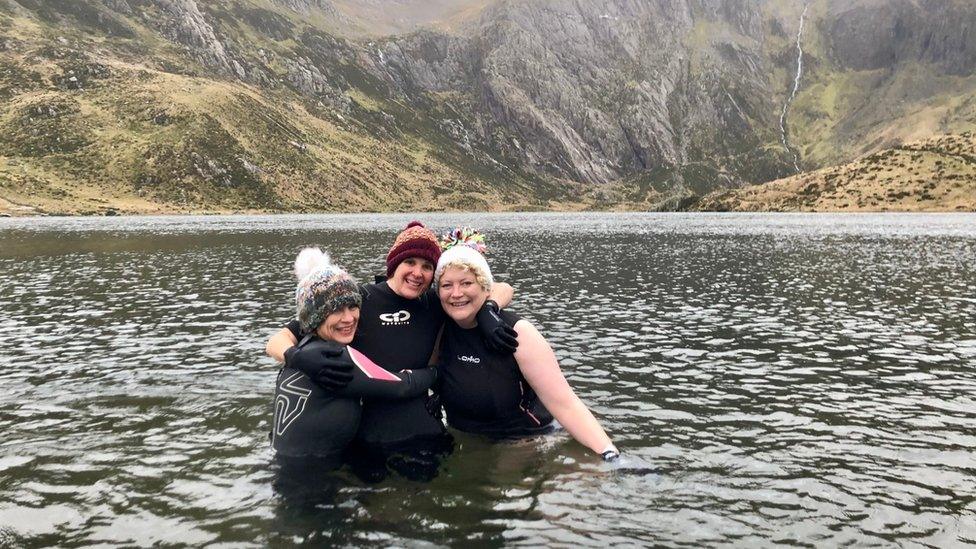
(400,319)
(411,260)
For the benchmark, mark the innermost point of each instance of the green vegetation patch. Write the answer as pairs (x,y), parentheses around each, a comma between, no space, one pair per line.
(43,125)
(200,164)
(271,136)
(266,22)
(820,117)
(79,13)
(761,164)
(15,79)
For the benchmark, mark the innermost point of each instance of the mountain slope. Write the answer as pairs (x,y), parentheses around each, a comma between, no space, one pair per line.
(596,92)
(936,174)
(90,122)
(685,97)
(881,73)
(176,105)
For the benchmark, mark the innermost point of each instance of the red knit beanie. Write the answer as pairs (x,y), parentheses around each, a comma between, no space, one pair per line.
(415,241)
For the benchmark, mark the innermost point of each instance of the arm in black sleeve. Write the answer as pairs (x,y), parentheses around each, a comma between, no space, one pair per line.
(326,363)
(499,337)
(433,402)
(294,327)
(412,383)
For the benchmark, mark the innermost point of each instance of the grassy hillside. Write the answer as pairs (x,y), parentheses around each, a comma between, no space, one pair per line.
(89,126)
(110,106)
(936,174)
(841,114)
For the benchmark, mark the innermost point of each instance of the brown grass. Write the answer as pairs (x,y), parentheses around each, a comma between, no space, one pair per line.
(931,175)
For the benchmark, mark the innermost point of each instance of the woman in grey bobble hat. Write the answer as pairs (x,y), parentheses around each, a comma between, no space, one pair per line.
(309,419)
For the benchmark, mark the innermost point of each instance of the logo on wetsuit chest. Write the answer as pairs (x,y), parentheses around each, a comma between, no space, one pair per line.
(289,403)
(395,319)
(471,359)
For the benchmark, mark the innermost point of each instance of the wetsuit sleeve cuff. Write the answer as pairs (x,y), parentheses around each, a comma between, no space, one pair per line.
(610,453)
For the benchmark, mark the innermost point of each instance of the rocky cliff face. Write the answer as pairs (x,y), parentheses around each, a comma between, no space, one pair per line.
(883,35)
(884,73)
(685,94)
(533,101)
(595,92)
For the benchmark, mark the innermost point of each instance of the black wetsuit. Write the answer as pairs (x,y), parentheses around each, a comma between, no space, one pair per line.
(484,391)
(396,333)
(310,421)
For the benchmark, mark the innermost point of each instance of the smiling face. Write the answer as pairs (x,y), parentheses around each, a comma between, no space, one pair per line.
(461,295)
(340,326)
(412,277)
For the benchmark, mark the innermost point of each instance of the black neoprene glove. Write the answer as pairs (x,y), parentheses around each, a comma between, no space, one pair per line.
(498,336)
(434,408)
(326,364)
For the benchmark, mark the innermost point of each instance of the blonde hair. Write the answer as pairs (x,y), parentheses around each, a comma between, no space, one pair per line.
(479,276)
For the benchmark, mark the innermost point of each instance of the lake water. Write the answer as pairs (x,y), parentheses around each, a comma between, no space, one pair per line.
(770,379)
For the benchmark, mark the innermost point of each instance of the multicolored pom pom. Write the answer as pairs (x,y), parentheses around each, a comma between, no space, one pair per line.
(464,236)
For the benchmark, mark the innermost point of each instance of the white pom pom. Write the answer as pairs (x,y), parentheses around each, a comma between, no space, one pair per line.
(310,259)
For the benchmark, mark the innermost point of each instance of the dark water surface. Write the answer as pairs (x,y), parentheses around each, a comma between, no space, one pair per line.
(771,379)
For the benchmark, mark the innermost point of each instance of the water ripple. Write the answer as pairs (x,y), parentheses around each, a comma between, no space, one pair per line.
(772,380)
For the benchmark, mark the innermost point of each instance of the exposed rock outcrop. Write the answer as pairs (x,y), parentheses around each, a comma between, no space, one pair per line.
(882,35)
(188,26)
(309,6)
(595,92)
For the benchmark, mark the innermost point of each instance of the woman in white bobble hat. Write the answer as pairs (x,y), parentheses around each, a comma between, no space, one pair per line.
(491,393)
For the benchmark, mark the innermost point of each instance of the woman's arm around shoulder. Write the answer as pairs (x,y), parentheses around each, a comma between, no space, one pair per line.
(538,364)
(280,342)
(502,294)
(412,383)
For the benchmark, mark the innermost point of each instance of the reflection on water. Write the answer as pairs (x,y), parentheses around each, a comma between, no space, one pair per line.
(770,378)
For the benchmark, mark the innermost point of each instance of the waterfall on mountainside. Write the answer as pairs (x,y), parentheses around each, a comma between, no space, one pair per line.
(796,86)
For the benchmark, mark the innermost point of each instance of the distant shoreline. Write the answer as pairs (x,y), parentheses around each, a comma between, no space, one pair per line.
(230,213)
